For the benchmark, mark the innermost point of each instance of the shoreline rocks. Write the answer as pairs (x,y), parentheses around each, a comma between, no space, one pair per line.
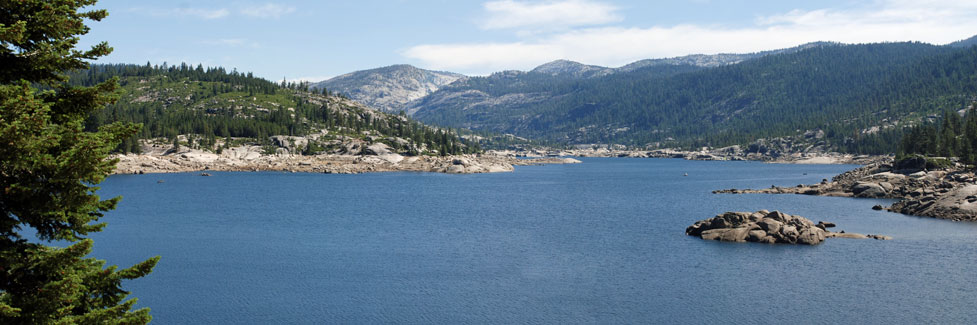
(949,193)
(733,153)
(768,227)
(379,159)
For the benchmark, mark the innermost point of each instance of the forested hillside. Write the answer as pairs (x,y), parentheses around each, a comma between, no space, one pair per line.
(212,107)
(510,96)
(509,91)
(860,96)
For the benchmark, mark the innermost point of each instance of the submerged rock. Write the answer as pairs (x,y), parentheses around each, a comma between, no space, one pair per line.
(766,227)
(825,225)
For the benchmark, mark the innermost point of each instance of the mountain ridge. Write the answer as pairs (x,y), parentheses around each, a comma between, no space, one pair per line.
(569,68)
(395,88)
(560,77)
(572,102)
(836,88)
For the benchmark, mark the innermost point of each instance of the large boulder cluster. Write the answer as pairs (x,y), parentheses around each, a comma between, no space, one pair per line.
(760,227)
(467,165)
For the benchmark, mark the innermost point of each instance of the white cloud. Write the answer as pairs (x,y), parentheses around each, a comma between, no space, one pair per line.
(201,13)
(505,14)
(183,11)
(268,10)
(932,21)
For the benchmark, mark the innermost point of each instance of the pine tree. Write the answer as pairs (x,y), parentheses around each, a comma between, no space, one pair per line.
(48,165)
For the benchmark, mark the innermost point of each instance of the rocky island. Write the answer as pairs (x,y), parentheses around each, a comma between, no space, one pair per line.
(768,227)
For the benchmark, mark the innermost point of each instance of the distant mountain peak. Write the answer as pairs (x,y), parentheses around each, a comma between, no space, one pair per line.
(558,64)
(567,68)
(389,88)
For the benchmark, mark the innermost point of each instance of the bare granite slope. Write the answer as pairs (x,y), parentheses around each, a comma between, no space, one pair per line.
(389,89)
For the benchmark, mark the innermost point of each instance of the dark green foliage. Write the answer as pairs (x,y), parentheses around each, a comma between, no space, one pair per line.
(938,163)
(953,136)
(920,162)
(839,89)
(49,165)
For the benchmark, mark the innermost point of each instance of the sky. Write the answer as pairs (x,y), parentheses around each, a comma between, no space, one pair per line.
(316,40)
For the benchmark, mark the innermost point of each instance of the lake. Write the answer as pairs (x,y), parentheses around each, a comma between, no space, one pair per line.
(598,242)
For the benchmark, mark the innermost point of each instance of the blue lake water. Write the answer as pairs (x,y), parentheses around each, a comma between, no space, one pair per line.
(598,242)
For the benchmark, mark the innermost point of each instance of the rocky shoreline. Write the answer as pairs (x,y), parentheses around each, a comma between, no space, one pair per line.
(721,154)
(376,159)
(810,147)
(768,227)
(944,193)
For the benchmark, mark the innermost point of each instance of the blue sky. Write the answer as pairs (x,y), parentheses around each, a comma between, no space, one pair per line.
(314,40)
